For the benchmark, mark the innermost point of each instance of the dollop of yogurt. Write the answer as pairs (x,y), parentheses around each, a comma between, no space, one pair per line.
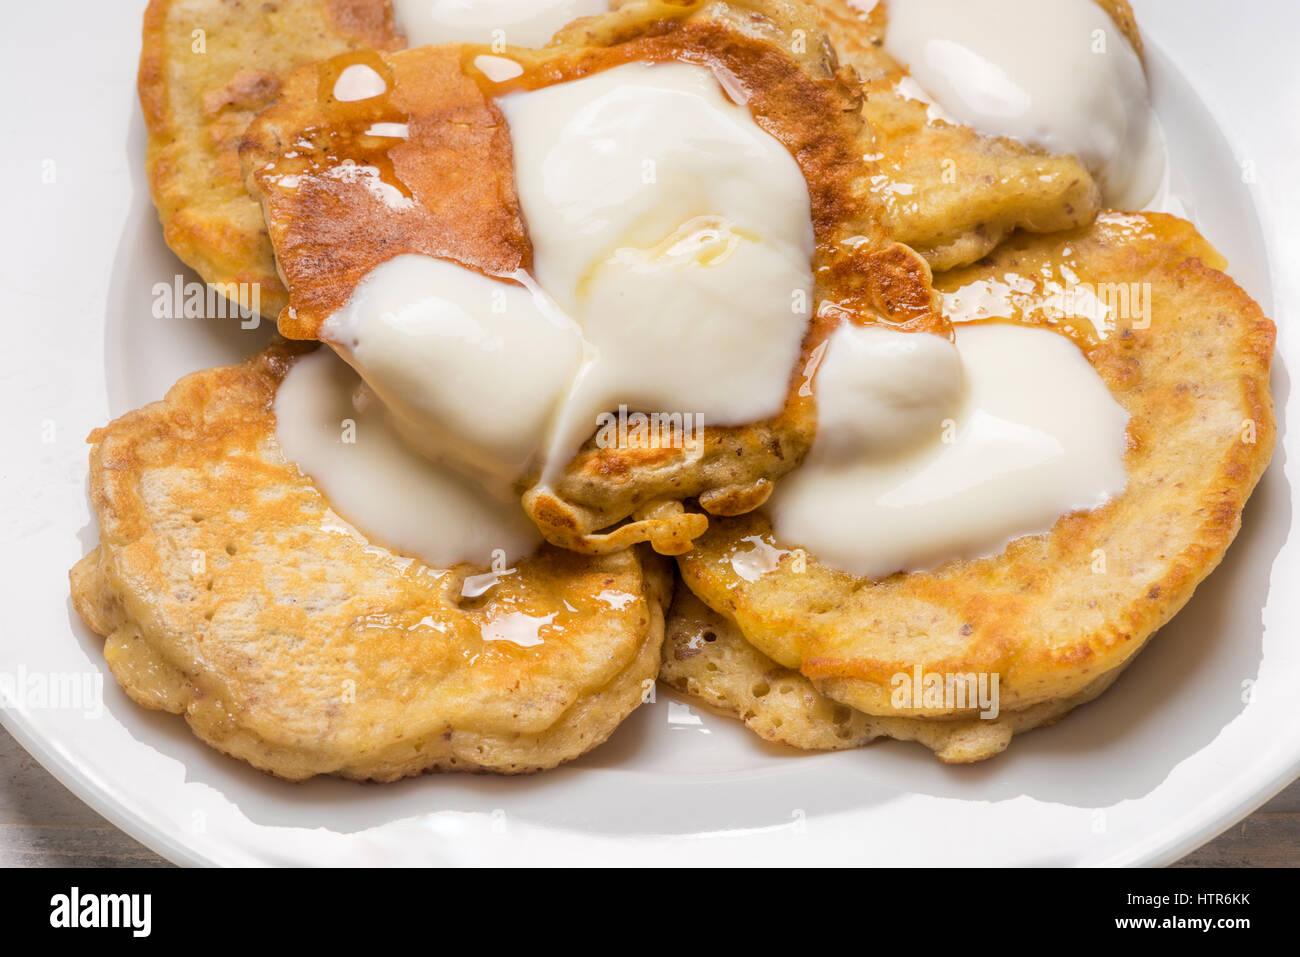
(470,366)
(672,274)
(925,453)
(676,232)
(1057,75)
(337,433)
(521,23)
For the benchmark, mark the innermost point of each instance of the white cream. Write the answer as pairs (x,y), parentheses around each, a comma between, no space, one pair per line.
(676,232)
(690,287)
(881,392)
(470,367)
(340,437)
(521,23)
(1058,75)
(1035,436)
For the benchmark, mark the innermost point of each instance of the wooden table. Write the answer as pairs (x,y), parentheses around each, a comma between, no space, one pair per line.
(42,824)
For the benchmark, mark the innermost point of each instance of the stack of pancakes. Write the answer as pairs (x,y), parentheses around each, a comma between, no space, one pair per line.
(229,591)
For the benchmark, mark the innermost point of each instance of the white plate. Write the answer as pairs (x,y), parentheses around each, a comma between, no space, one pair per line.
(1173,754)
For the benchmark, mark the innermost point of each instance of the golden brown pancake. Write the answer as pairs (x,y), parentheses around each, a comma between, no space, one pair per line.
(312,162)
(1053,612)
(228,591)
(949,192)
(197,104)
(206,67)
(707,658)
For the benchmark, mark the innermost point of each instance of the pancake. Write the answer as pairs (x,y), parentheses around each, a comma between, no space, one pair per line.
(229,592)
(199,90)
(947,191)
(313,163)
(707,659)
(1045,615)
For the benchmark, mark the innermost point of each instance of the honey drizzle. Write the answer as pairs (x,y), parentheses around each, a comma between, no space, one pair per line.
(347,140)
(859,275)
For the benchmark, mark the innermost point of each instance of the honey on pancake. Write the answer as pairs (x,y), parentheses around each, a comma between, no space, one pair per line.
(507,620)
(456,164)
(945,190)
(197,107)
(353,140)
(866,276)
(1064,79)
(1041,286)
(1051,613)
(303,648)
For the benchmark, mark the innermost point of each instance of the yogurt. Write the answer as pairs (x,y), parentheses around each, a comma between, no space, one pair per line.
(908,472)
(470,366)
(676,233)
(673,245)
(522,23)
(1058,75)
(329,425)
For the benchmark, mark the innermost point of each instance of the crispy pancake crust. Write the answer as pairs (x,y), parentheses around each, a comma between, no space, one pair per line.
(947,191)
(329,189)
(228,591)
(707,658)
(196,107)
(1052,612)
(197,104)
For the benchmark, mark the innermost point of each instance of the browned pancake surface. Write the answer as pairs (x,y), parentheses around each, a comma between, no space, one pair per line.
(707,658)
(340,201)
(945,190)
(1053,612)
(228,591)
(206,67)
